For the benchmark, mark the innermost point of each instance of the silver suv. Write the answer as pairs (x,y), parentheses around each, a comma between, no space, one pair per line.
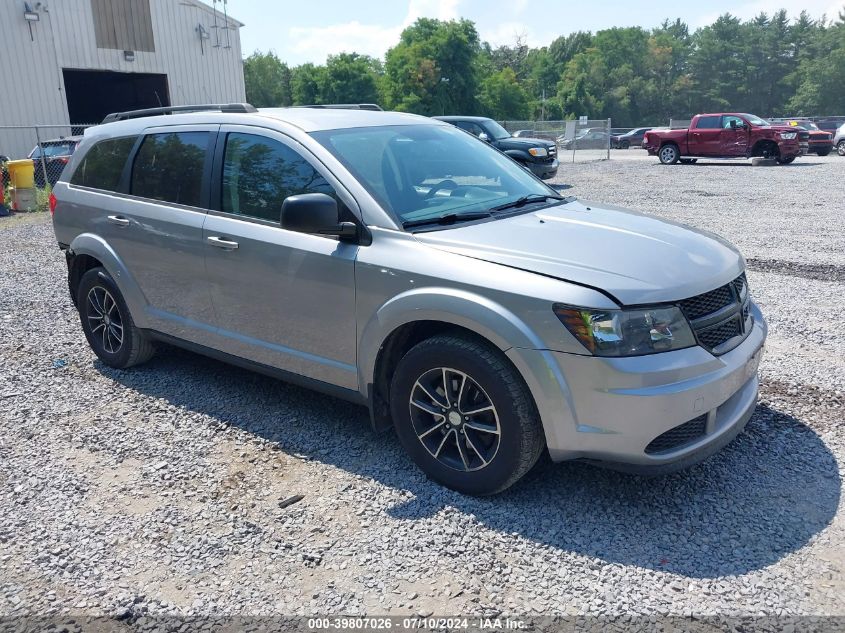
(400,263)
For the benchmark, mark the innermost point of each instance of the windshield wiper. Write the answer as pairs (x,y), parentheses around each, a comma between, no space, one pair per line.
(532,197)
(447,218)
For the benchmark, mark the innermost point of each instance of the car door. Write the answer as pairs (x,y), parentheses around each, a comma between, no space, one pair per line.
(281,298)
(705,139)
(156,228)
(734,136)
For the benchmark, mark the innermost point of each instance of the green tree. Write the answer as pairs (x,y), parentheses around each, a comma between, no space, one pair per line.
(350,78)
(432,68)
(502,97)
(267,80)
(307,82)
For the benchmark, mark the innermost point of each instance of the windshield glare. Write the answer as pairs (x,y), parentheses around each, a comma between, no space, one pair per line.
(755,120)
(496,130)
(425,171)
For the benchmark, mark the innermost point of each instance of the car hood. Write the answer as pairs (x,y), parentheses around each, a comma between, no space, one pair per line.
(636,258)
(525,142)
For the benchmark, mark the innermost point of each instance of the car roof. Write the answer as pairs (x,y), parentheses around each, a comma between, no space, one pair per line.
(63,139)
(306,119)
(452,117)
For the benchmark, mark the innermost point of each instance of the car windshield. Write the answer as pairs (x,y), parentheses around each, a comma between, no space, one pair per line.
(495,130)
(54,149)
(755,120)
(418,172)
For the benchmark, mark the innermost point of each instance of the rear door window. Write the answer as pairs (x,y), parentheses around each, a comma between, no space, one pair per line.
(708,123)
(102,166)
(169,167)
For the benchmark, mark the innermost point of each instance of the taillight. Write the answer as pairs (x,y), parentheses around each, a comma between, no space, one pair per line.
(53,203)
(63,159)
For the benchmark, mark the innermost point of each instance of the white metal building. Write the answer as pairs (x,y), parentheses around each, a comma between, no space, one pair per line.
(74,61)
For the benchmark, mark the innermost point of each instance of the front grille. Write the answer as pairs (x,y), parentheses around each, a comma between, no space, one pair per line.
(681,435)
(720,315)
(804,135)
(715,336)
(706,303)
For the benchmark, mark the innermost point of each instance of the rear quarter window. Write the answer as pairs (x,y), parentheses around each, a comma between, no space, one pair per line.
(102,166)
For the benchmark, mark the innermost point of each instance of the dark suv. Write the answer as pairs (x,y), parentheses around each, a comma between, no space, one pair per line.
(538,155)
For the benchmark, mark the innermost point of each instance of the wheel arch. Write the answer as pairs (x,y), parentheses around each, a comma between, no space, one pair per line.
(419,314)
(87,251)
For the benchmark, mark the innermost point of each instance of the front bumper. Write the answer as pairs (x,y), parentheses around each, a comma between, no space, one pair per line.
(544,171)
(612,409)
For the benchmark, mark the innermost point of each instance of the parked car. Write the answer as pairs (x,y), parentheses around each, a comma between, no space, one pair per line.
(726,135)
(398,262)
(819,142)
(537,155)
(632,138)
(590,138)
(839,140)
(55,153)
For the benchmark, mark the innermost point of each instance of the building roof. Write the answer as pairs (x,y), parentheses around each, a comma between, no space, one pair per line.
(210,9)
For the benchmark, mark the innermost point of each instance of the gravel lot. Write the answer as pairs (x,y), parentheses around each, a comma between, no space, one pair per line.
(157,490)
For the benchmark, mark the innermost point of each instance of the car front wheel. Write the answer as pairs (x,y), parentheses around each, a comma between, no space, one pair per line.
(107,324)
(464,415)
(840,148)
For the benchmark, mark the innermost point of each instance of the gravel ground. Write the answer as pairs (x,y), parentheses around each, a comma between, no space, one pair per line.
(157,490)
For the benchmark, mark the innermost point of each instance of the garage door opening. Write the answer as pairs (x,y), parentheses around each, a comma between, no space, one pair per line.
(92,94)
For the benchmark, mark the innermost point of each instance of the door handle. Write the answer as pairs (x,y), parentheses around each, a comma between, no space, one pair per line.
(222,242)
(119,220)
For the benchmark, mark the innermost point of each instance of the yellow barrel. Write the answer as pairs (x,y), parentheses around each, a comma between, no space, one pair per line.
(21,173)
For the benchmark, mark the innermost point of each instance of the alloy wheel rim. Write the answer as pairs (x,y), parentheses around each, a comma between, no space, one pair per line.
(104,319)
(667,153)
(454,419)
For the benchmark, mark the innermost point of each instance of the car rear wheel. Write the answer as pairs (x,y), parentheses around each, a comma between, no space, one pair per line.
(840,148)
(107,324)
(464,415)
(669,154)
(823,152)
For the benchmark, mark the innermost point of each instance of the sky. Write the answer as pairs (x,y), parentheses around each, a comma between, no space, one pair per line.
(302,32)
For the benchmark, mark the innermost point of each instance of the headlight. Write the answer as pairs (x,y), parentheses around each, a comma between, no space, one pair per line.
(627,332)
(788,135)
(539,152)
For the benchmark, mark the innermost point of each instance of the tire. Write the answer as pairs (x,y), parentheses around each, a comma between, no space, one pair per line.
(624,145)
(840,148)
(823,152)
(669,154)
(786,160)
(114,339)
(465,454)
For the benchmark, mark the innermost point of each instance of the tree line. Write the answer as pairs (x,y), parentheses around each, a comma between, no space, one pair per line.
(769,65)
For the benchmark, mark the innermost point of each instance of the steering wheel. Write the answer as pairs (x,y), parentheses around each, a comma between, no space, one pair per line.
(443,184)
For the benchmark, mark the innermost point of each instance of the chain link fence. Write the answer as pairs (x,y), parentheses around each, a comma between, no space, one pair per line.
(48,147)
(577,140)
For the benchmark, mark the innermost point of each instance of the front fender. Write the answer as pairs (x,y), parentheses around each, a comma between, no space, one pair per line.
(469,310)
(96,247)
(523,157)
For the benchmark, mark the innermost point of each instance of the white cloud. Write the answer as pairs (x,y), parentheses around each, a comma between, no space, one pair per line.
(315,43)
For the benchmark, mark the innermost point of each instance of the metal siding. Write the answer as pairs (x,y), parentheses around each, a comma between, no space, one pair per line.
(33,70)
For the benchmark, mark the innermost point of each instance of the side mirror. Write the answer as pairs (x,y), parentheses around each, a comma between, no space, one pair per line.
(315,213)
(483,136)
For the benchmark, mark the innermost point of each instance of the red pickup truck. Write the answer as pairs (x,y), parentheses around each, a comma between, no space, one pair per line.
(726,135)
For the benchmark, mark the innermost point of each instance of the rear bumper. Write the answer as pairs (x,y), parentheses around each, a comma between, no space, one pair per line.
(611,410)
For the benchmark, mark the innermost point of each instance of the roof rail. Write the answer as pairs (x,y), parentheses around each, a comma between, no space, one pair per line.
(216,107)
(344,106)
